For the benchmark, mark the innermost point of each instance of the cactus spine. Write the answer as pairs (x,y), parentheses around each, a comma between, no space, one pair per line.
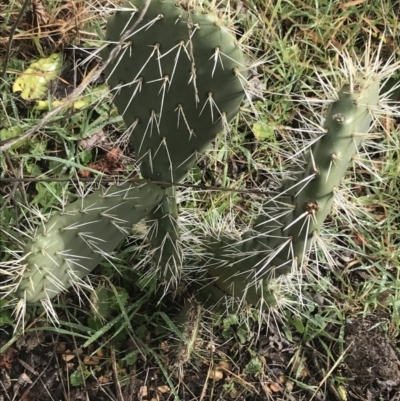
(163,236)
(73,242)
(178,78)
(291,221)
(178,81)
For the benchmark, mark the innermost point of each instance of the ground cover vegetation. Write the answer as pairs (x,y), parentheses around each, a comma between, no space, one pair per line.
(199,200)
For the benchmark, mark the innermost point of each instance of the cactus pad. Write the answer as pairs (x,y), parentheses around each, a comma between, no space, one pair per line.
(284,231)
(73,242)
(177,78)
(163,235)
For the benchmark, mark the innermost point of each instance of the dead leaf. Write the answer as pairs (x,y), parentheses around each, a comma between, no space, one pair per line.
(28,367)
(234,393)
(224,365)
(164,346)
(100,353)
(114,156)
(216,375)
(32,340)
(275,387)
(109,164)
(7,358)
(163,389)
(24,379)
(68,357)
(96,139)
(40,15)
(359,239)
(103,380)
(84,173)
(5,379)
(91,360)
(289,386)
(143,392)
(61,347)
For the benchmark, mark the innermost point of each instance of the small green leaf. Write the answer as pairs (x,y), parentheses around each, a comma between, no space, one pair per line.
(85,156)
(38,148)
(319,321)
(254,367)
(11,133)
(78,377)
(33,83)
(298,324)
(33,169)
(242,334)
(131,358)
(229,321)
(263,132)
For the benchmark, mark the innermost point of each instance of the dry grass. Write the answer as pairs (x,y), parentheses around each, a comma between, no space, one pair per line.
(296,356)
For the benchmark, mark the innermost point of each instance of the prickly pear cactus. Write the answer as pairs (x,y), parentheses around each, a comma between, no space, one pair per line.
(177,77)
(73,242)
(292,220)
(163,236)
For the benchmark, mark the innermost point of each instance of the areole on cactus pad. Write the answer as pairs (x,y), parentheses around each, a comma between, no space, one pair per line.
(73,242)
(177,81)
(289,222)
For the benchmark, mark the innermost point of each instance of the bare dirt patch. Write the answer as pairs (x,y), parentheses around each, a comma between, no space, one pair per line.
(373,361)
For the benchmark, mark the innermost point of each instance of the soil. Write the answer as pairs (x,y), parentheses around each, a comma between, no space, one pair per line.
(41,365)
(372,360)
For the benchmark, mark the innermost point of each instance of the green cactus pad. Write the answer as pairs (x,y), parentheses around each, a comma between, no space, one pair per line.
(277,244)
(177,79)
(346,124)
(164,236)
(73,242)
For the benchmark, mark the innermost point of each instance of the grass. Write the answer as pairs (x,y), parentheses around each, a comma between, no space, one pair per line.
(141,343)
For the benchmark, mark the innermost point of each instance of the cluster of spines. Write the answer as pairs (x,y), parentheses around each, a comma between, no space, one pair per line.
(289,225)
(174,91)
(71,244)
(269,210)
(163,236)
(178,79)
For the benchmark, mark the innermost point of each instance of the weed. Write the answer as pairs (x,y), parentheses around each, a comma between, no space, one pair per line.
(352,265)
